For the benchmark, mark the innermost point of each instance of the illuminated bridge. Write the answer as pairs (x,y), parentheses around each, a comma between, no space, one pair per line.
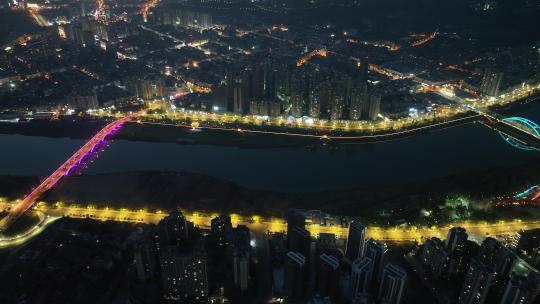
(527,126)
(68,166)
(519,132)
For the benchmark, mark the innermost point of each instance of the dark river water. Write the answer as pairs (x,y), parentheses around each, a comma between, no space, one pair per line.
(441,153)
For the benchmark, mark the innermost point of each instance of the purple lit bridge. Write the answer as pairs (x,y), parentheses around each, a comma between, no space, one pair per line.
(65,169)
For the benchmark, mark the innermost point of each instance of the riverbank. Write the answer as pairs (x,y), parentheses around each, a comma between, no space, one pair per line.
(377,205)
(241,137)
(170,133)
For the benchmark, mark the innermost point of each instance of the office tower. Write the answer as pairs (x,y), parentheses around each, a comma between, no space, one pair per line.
(375,251)
(477,282)
(300,241)
(361,274)
(184,275)
(327,276)
(176,228)
(295,276)
(456,240)
(491,83)
(241,270)
(221,227)
(355,241)
(392,284)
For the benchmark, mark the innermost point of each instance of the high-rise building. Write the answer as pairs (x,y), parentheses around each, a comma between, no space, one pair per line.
(492,252)
(82,36)
(295,276)
(241,270)
(168,15)
(274,108)
(300,241)
(297,96)
(238,99)
(374,106)
(355,241)
(456,240)
(491,83)
(375,251)
(392,284)
(358,98)
(315,93)
(258,82)
(327,276)
(152,87)
(221,226)
(184,275)
(361,273)
(477,282)
(521,290)
(297,105)
(84,8)
(337,105)
(327,243)
(435,257)
(295,218)
(176,228)
(144,257)
(83,100)
(203,20)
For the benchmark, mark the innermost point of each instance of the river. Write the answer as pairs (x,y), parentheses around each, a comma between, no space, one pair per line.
(458,150)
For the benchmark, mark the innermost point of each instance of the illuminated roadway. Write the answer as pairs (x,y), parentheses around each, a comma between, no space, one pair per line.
(477,230)
(374,137)
(62,171)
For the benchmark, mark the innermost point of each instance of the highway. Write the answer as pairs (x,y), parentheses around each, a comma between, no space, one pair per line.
(258,224)
(70,164)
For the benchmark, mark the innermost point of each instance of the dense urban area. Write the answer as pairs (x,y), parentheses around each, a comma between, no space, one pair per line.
(269,75)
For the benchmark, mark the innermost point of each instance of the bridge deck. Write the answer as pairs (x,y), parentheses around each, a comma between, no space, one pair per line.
(62,171)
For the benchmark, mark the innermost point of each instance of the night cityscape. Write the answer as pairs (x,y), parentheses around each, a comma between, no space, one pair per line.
(270,151)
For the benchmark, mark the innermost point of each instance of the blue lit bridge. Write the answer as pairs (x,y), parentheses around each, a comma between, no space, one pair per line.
(519,132)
